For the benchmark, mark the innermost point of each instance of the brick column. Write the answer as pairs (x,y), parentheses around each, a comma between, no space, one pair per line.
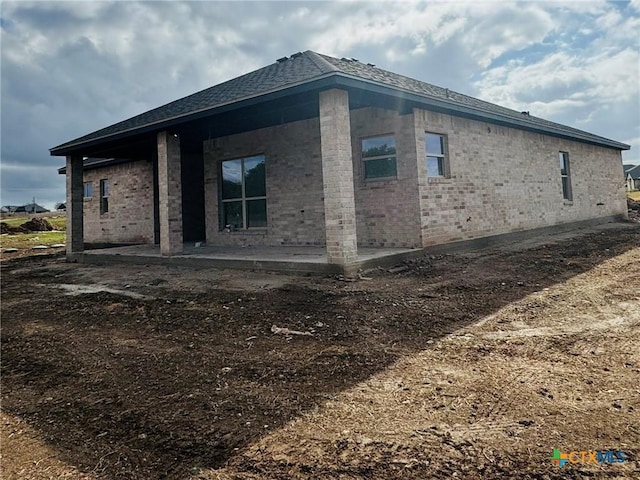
(210,158)
(337,177)
(170,194)
(75,193)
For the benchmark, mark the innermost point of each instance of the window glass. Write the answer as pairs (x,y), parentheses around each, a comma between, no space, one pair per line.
(104,196)
(232,212)
(232,179)
(256,213)
(436,158)
(88,190)
(565,174)
(435,144)
(563,163)
(254,177)
(380,168)
(379,146)
(379,157)
(435,167)
(243,190)
(565,188)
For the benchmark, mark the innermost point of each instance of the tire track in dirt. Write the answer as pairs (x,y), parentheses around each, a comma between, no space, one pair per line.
(498,386)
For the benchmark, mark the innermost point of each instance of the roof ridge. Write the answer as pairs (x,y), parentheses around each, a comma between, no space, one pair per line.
(320,62)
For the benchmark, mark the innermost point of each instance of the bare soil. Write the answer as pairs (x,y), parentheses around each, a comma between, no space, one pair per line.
(473,365)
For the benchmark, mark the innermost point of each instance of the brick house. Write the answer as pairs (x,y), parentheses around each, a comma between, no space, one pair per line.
(315,150)
(632,177)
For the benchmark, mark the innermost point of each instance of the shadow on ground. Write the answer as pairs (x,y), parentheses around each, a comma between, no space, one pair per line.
(163,387)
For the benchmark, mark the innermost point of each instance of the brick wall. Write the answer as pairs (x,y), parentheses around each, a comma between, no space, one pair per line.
(337,175)
(501,180)
(505,180)
(169,193)
(295,208)
(130,215)
(387,211)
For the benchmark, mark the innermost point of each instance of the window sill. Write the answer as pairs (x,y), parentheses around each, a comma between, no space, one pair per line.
(87,199)
(370,182)
(438,179)
(567,202)
(248,231)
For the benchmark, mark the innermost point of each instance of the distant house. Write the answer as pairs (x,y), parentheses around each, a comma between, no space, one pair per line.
(61,207)
(632,177)
(32,208)
(28,208)
(320,151)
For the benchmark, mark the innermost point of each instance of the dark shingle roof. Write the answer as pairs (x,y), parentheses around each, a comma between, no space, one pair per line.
(633,170)
(302,68)
(273,77)
(28,208)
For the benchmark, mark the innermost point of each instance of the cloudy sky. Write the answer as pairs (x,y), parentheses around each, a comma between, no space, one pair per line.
(69,68)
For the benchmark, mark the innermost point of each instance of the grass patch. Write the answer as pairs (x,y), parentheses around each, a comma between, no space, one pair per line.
(24,241)
(58,222)
(28,240)
(634,195)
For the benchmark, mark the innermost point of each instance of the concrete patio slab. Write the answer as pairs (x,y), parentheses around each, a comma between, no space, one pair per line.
(310,259)
(313,259)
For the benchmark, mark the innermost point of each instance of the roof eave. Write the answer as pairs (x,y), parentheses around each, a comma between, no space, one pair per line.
(340,79)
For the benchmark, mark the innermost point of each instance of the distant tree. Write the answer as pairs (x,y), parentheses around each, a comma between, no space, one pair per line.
(380,151)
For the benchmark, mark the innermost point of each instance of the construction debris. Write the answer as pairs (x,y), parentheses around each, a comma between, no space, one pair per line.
(33,225)
(286,331)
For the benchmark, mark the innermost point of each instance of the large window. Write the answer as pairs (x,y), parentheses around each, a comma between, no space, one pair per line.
(565,174)
(104,196)
(88,190)
(436,149)
(244,193)
(379,157)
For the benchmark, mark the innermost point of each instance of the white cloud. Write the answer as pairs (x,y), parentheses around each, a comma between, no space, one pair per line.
(486,31)
(565,80)
(587,80)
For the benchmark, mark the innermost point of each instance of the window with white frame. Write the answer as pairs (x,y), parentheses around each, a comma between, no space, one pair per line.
(244,193)
(88,190)
(436,155)
(104,196)
(565,174)
(379,157)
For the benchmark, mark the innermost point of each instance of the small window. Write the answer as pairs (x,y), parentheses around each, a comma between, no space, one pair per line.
(88,190)
(244,193)
(436,149)
(565,174)
(379,157)
(104,196)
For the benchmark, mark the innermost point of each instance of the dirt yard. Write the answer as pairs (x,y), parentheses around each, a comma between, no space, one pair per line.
(473,365)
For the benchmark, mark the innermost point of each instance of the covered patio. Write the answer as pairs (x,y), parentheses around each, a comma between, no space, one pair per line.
(186,200)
